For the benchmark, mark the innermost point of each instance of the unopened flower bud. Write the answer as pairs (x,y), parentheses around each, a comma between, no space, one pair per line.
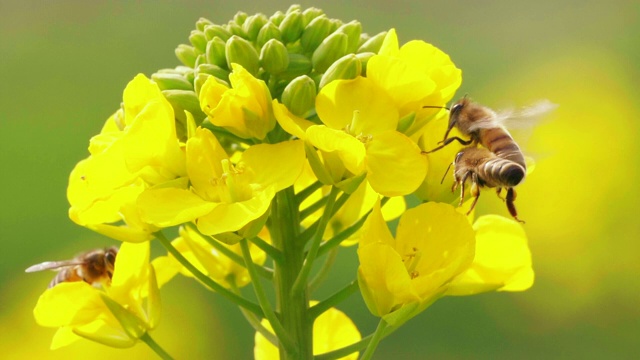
(364,60)
(216,52)
(373,44)
(274,57)
(291,27)
(186,54)
(298,65)
(240,51)
(240,17)
(310,14)
(331,49)
(300,96)
(316,31)
(202,23)
(198,40)
(236,29)
(347,67)
(293,8)
(215,70)
(212,31)
(200,79)
(182,100)
(269,31)
(353,30)
(277,18)
(253,24)
(167,81)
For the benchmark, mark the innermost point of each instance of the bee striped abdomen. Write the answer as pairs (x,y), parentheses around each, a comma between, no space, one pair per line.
(498,141)
(499,172)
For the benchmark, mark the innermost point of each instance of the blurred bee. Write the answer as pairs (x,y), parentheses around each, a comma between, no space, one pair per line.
(92,267)
(485,169)
(485,127)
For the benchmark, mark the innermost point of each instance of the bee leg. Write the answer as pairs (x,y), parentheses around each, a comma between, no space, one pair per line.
(475,192)
(511,197)
(499,193)
(461,182)
(448,141)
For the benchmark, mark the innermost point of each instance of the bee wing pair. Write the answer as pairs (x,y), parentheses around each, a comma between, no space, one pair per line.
(523,118)
(53,265)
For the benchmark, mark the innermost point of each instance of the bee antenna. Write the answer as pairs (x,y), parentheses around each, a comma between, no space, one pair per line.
(435,107)
(445,173)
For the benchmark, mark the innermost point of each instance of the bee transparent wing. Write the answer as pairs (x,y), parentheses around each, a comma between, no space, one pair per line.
(524,118)
(52,265)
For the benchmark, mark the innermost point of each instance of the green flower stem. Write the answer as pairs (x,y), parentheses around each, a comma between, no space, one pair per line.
(312,208)
(306,192)
(253,320)
(308,233)
(264,272)
(342,352)
(155,347)
(239,300)
(222,133)
(292,306)
(278,329)
(375,340)
(301,280)
(273,253)
(334,299)
(319,278)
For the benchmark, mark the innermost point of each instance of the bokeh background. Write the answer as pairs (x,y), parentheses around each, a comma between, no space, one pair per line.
(64,64)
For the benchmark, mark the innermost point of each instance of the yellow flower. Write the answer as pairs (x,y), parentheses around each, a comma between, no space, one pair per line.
(136,148)
(115,315)
(331,331)
(244,109)
(210,261)
(360,127)
(434,243)
(436,252)
(224,196)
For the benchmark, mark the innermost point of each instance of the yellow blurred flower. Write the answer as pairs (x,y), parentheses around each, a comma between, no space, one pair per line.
(136,148)
(209,260)
(115,315)
(360,127)
(244,109)
(332,330)
(436,252)
(224,196)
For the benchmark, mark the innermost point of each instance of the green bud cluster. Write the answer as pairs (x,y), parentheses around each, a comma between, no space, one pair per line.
(296,53)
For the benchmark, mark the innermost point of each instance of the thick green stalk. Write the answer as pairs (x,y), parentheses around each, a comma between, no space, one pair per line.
(291,305)
(155,347)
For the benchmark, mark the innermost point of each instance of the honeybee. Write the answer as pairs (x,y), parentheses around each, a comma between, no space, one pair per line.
(485,127)
(92,267)
(485,169)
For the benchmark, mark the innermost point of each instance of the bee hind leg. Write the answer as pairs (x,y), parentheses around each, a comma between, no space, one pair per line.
(499,193)
(475,192)
(511,197)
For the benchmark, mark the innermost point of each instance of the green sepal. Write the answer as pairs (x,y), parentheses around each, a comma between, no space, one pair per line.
(212,31)
(291,26)
(406,122)
(406,312)
(216,52)
(229,238)
(316,31)
(240,51)
(253,24)
(186,54)
(111,341)
(352,29)
(274,57)
(198,40)
(300,96)
(346,68)
(253,228)
(269,31)
(373,44)
(348,186)
(131,324)
(168,81)
(316,164)
(331,49)
(182,100)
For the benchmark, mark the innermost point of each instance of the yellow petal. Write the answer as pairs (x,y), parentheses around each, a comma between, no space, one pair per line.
(275,164)
(204,162)
(395,165)
(502,261)
(292,124)
(227,217)
(376,111)
(69,304)
(122,232)
(376,229)
(137,95)
(170,206)
(349,149)
(390,45)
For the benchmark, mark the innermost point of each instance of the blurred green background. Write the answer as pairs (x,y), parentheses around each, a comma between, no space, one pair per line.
(64,64)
